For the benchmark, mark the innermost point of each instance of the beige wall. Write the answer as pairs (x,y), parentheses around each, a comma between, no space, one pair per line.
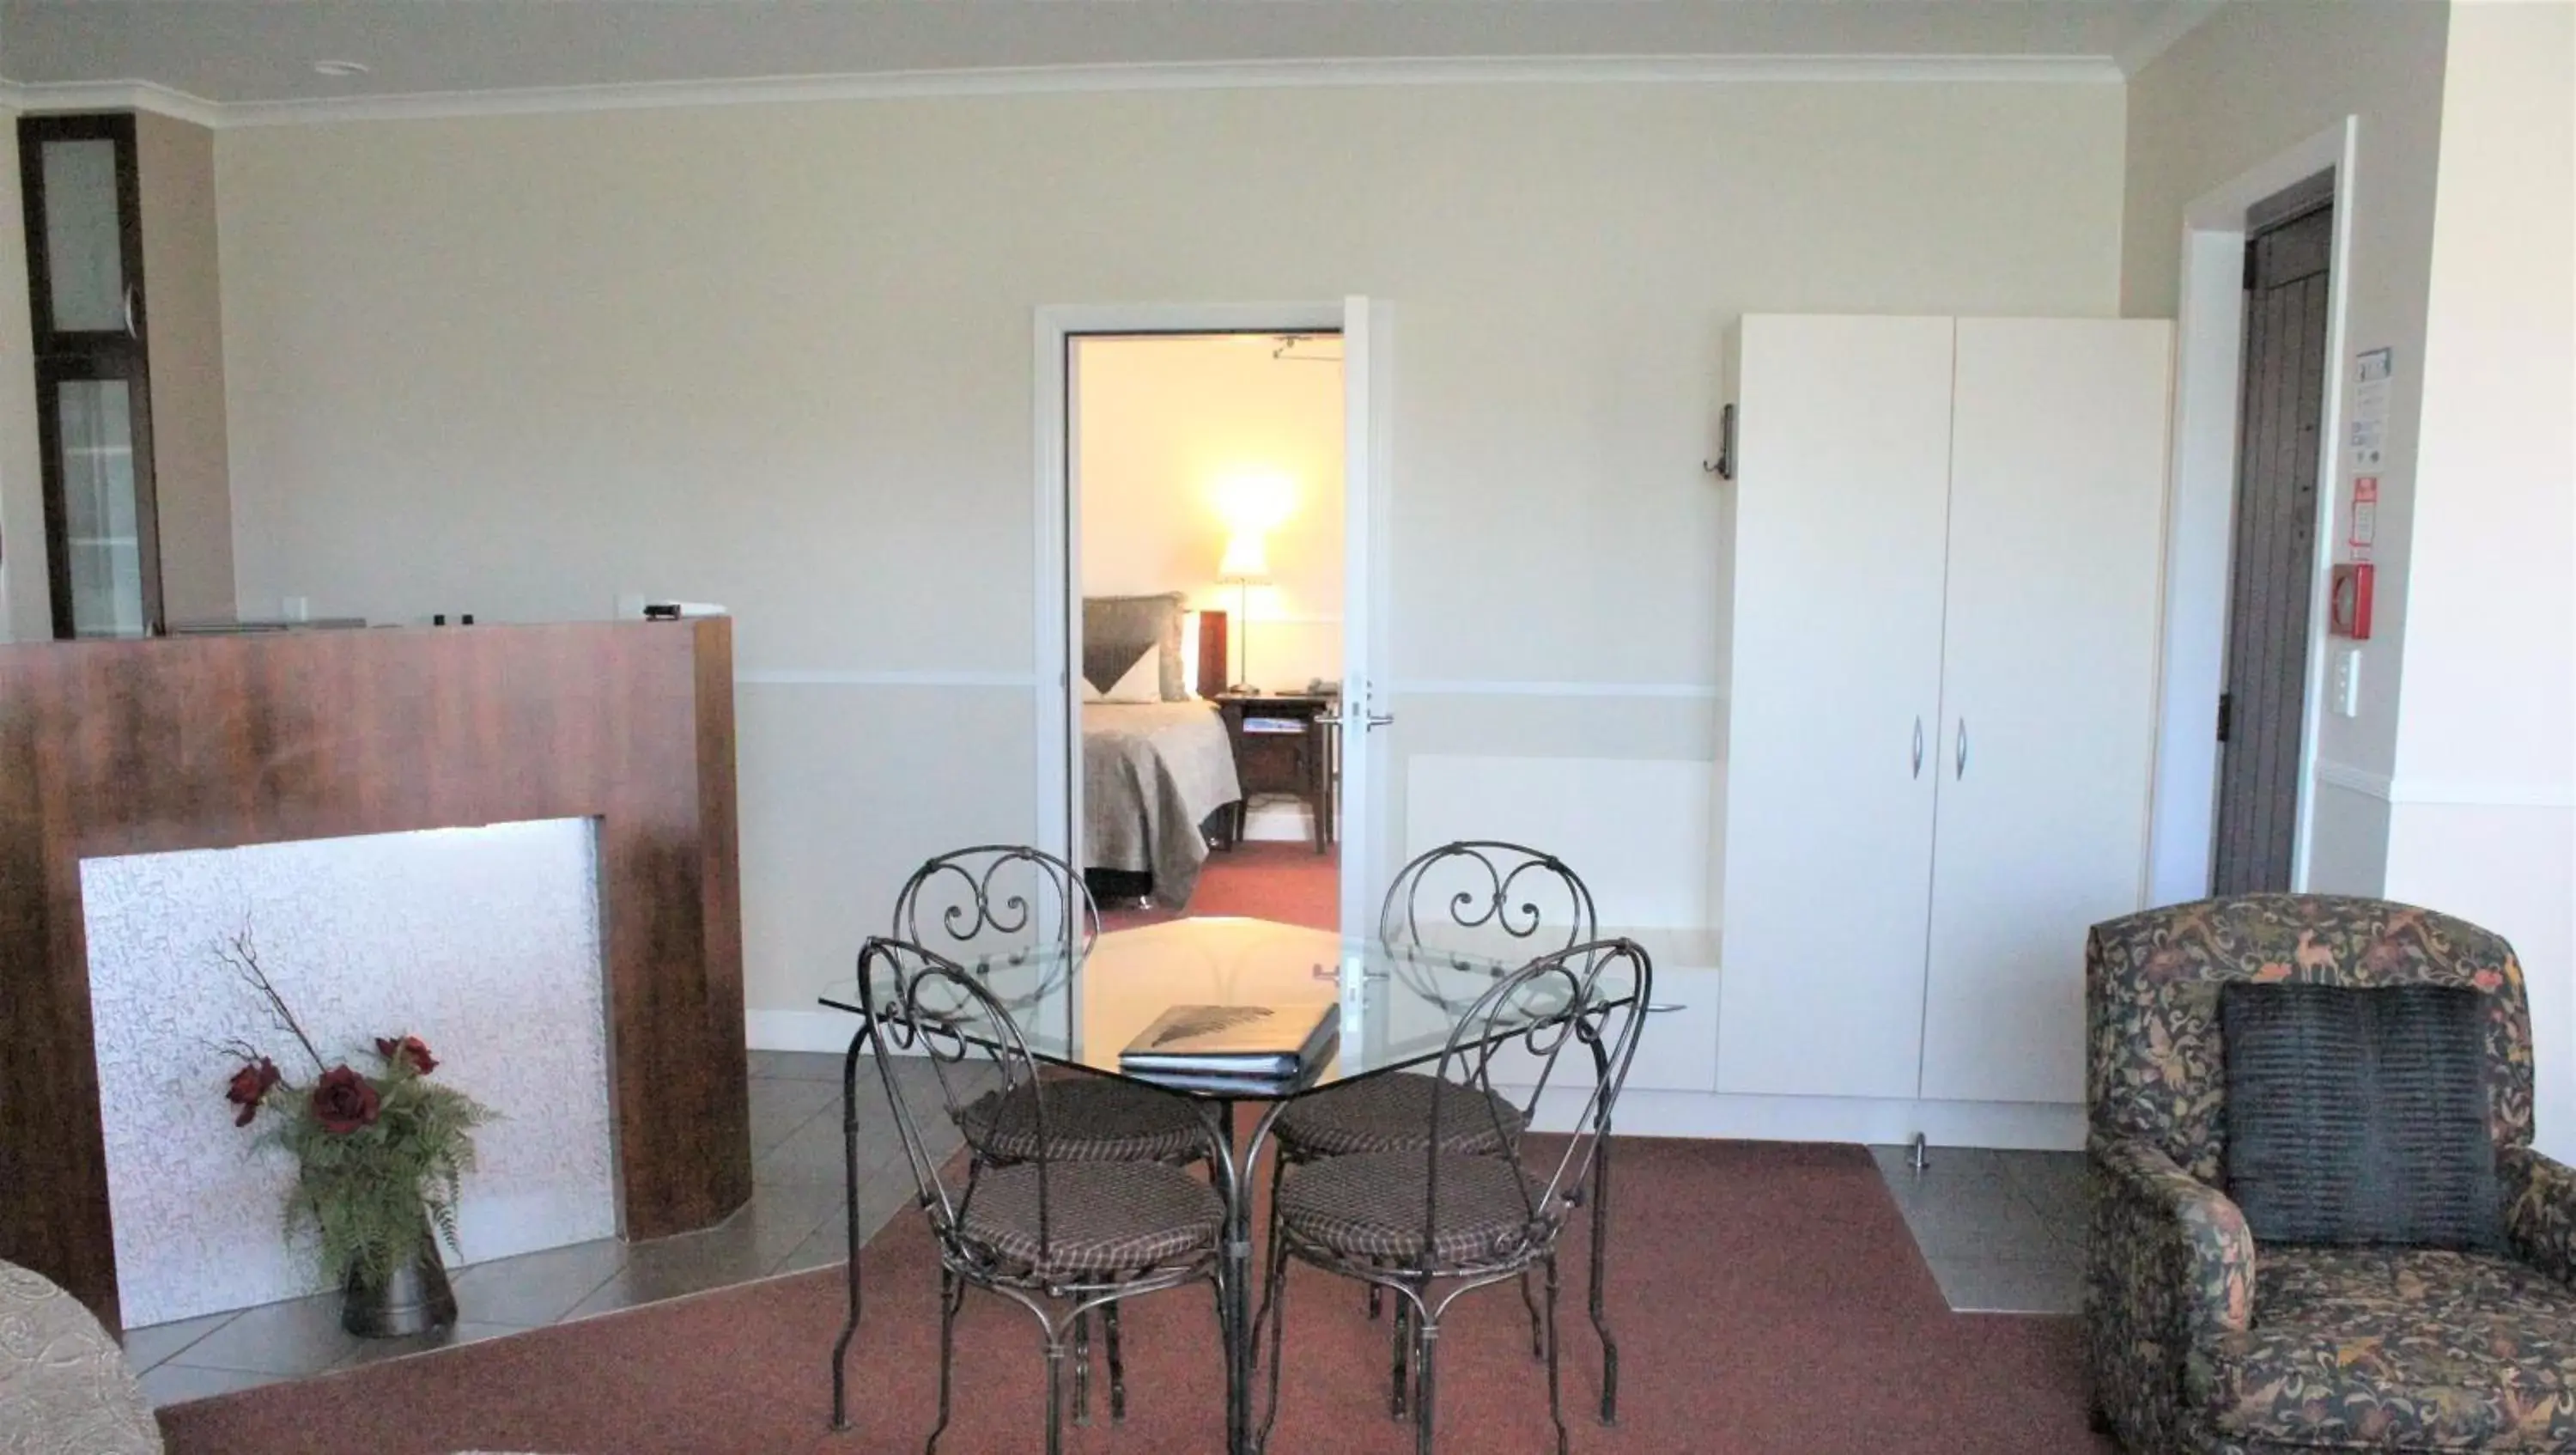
(1166,429)
(2483,821)
(2463,232)
(190,463)
(779,357)
(25,611)
(2248,84)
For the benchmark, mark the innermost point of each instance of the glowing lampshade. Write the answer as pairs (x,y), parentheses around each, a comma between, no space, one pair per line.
(1244,558)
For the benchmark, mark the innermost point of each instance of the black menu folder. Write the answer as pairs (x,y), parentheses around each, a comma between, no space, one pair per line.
(1247,1041)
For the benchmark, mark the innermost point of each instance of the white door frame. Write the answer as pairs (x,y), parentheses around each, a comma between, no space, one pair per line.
(1053,704)
(2201,512)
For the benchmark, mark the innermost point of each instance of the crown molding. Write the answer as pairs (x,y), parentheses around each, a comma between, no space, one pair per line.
(2178,19)
(1061,80)
(37,96)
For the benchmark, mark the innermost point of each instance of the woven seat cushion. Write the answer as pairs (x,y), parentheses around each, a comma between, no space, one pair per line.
(1103,1218)
(1371,1205)
(1088,1119)
(1392,1114)
(2398,1349)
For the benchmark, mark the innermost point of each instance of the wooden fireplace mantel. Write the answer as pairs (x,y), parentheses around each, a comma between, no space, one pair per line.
(132,747)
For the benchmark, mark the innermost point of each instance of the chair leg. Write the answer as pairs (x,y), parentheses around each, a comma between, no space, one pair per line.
(1274,1306)
(1082,1368)
(1529,1301)
(1278,1169)
(1555,1398)
(1423,1406)
(1117,1366)
(1055,1396)
(1600,1253)
(1376,1301)
(1401,1341)
(951,1294)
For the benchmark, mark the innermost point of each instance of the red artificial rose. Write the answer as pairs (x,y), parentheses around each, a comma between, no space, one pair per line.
(412,1048)
(249,1085)
(343,1101)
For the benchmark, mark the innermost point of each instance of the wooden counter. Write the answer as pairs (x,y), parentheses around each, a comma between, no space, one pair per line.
(137,747)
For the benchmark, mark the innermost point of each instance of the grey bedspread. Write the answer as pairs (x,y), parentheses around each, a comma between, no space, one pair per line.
(1151,774)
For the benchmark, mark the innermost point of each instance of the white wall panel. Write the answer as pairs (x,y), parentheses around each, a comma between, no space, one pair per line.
(483,942)
(1635,829)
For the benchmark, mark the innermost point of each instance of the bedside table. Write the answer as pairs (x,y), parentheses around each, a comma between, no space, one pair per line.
(1295,757)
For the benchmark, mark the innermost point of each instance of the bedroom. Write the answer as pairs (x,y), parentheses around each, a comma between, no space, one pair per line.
(1206,479)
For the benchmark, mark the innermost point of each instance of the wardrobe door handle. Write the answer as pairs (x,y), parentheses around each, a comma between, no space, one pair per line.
(1665,1007)
(1960,770)
(1918,745)
(131,331)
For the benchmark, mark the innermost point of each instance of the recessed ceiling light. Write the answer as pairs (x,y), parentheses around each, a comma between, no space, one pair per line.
(341,68)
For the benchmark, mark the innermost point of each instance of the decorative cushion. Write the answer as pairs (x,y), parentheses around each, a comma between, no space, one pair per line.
(2400,1349)
(1121,635)
(1088,1119)
(1392,1113)
(1372,1205)
(2360,1115)
(1102,1218)
(64,1384)
(2155,1071)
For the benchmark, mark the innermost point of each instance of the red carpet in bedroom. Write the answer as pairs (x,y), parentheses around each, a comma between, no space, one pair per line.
(1768,1298)
(1290,883)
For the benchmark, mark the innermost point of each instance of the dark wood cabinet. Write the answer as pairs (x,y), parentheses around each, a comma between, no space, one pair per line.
(81,182)
(1283,745)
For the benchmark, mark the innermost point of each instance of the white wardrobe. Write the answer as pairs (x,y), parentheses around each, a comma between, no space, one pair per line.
(1946,539)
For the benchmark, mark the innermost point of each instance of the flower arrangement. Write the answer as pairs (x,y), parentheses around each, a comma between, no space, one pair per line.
(379,1156)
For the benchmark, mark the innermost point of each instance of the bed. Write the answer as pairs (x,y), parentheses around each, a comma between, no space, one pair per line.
(1156,773)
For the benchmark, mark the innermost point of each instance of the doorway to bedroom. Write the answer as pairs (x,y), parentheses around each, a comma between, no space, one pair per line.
(1206,520)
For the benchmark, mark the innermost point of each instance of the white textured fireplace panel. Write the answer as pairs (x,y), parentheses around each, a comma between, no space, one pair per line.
(484,942)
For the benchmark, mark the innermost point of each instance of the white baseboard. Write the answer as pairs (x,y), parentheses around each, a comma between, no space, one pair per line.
(2013,1126)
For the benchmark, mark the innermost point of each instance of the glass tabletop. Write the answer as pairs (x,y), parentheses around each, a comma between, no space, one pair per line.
(1394,1007)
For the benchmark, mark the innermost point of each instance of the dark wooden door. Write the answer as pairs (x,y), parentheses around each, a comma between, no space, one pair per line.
(2272,562)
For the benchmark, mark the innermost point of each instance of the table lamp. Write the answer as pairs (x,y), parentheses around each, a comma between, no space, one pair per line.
(1243,567)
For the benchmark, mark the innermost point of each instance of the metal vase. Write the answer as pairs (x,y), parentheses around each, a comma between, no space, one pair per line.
(417,1299)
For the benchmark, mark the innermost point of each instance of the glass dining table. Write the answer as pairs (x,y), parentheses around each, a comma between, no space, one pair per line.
(1398,1008)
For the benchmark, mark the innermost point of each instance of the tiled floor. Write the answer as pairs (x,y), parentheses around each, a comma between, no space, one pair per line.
(2002,1231)
(792,1223)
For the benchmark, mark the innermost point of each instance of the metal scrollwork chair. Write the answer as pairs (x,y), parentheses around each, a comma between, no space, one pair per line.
(1057,1235)
(1432,1223)
(1019,918)
(1497,902)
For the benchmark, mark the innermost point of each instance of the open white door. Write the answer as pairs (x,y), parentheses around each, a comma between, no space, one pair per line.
(1368,786)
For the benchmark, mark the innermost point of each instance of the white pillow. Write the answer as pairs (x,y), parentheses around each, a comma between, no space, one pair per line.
(1143,683)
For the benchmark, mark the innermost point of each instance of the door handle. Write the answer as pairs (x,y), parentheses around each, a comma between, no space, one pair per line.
(1665,1007)
(1960,769)
(131,331)
(1365,720)
(1918,745)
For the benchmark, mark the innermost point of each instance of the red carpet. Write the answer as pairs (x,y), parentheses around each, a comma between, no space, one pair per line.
(1285,882)
(1768,1298)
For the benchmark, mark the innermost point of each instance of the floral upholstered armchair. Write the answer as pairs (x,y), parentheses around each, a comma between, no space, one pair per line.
(2202,1342)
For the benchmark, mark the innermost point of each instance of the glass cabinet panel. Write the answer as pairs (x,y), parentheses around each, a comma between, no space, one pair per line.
(84,258)
(102,515)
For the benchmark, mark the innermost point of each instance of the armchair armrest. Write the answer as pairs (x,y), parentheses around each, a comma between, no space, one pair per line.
(2172,1273)
(2539,1210)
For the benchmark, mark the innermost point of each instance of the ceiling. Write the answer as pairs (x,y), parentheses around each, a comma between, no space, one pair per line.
(247,53)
